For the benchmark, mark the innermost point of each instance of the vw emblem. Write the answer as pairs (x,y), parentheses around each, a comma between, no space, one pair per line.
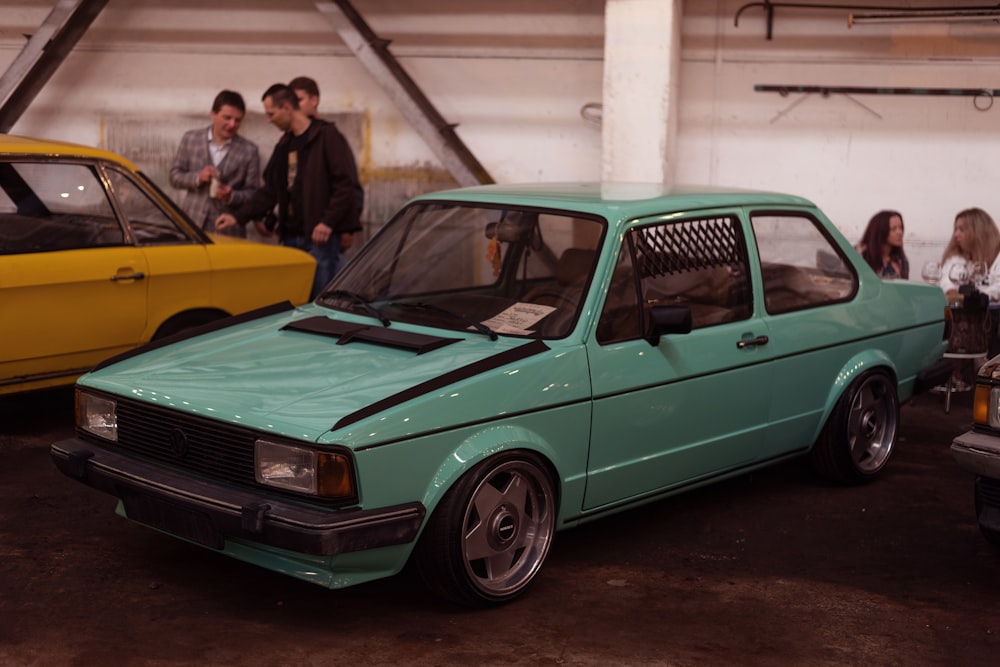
(178,443)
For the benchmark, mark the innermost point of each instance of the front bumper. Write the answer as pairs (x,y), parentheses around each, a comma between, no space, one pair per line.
(978,453)
(209,514)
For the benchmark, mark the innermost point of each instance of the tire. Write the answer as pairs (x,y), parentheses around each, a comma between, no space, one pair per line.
(487,539)
(188,320)
(860,435)
(992,535)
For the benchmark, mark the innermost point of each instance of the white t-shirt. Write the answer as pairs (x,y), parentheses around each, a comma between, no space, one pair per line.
(992,288)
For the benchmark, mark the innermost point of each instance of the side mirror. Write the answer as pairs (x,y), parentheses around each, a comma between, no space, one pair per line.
(667,320)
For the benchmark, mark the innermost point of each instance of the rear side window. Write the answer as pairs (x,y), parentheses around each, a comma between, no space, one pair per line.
(801,267)
(701,264)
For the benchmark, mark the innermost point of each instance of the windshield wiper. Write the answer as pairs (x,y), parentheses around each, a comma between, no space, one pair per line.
(478,326)
(361,301)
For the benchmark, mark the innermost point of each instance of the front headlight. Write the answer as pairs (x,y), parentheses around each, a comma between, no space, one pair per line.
(97,415)
(303,469)
(986,403)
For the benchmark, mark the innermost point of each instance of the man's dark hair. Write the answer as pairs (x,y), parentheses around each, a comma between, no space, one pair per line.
(229,98)
(280,95)
(306,84)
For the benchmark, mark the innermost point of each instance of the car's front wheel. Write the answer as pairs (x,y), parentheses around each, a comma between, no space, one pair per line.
(488,537)
(860,434)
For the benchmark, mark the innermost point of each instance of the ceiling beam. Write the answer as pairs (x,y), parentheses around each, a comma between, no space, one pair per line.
(374,54)
(42,55)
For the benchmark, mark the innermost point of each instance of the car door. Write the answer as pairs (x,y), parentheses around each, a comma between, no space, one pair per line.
(808,292)
(179,273)
(679,410)
(73,291)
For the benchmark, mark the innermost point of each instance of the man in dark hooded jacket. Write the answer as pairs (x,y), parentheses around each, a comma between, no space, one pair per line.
(313,179)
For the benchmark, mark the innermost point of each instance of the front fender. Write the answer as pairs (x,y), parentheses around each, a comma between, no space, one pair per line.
(559,435)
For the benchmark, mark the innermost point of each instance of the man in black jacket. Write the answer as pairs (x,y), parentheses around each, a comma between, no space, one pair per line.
(313,179)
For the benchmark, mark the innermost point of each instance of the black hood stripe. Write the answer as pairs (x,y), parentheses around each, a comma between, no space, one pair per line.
(223,323)
(347,332)
(451,377)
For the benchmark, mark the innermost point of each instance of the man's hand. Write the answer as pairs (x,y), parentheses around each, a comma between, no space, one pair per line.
(322,233)
(206,174)
(225,221)
(223,192)
(346,241)
(262,229)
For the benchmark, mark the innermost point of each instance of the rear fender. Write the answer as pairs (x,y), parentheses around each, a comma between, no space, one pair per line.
(855,367)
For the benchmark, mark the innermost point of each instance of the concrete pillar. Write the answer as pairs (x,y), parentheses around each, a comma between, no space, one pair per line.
(641,65)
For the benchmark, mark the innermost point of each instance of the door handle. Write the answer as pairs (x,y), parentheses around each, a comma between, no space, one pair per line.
(752,342)
(128,276)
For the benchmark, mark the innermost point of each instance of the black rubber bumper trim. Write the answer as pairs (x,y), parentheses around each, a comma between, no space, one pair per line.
(209,513)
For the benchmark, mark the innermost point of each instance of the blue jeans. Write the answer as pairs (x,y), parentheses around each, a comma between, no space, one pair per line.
(327,256)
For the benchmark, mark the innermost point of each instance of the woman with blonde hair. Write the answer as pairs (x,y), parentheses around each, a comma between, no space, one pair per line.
(975,239)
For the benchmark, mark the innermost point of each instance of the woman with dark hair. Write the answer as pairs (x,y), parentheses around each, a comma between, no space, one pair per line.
(882,245)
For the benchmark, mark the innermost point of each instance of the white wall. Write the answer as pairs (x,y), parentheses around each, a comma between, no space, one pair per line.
(515,75)
(928,157)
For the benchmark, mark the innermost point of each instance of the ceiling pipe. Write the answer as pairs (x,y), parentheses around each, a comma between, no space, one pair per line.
(944,13)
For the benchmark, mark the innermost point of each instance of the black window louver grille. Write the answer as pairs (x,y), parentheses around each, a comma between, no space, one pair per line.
(689,246)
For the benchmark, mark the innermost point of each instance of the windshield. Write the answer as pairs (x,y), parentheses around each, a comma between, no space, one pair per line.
(495,270)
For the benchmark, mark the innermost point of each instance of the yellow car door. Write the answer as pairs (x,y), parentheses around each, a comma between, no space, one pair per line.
(72,288)
(67,310)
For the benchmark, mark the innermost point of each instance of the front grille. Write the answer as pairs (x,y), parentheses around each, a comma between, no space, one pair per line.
(208,448)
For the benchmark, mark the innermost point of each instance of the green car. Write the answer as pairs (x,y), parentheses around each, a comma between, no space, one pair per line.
(501,362)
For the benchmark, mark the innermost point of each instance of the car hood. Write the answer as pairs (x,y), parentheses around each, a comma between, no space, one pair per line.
(310,375)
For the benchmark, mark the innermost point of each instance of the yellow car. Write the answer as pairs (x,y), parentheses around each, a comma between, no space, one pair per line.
(96,260)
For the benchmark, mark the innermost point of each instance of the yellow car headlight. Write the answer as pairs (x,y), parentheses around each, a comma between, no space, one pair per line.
(97,415)
(303,469)
(986,402)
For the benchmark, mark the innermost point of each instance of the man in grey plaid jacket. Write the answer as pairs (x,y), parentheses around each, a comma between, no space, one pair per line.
(217,167)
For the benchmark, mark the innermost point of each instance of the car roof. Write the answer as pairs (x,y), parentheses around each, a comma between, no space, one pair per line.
(11,144)
(617,200)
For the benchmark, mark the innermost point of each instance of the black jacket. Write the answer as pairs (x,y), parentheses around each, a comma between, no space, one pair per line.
(331,192)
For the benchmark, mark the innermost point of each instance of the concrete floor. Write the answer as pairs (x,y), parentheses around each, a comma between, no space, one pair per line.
(774,568)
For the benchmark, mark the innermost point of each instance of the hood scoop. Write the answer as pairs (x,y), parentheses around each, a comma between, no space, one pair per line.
(348,332)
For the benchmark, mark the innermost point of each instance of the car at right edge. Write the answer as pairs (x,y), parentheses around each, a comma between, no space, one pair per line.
(978,450)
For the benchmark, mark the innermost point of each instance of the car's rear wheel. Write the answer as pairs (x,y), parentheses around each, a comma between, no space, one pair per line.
(858,438)
(988,488)
(490,534)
